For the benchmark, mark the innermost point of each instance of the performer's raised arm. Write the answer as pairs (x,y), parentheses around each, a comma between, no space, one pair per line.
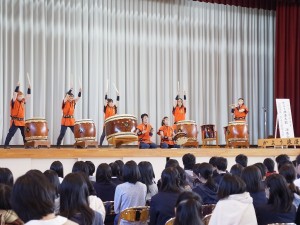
(16,91)
(28,95)
(78,96)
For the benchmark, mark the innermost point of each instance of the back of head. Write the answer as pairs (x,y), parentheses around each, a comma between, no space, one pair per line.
(147,173)
(91,167)
(170,180)
(74,198)
(115,169)
(213,161)
(53,179)
(297,160)
(188,212)
(251,175)
(262,169)
(32,196)
(236,170)
(288,171)
(269,164)
(231,185)
(172,163)
(280,196)
(282,159)
(5,194)
(182,177)
(242,160)
(189,160)
(80,166)
(221,163)
(185,195)
(6,177)
(131,172)
(104,173)
(205,170)
(58,167)
(121,166)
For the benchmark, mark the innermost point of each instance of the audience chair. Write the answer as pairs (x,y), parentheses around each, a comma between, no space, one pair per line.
(170,221)
(206,219)
(135,214)
(208,209)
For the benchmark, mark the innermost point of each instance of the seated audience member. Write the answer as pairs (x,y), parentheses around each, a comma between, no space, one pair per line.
(121,165)
(288,171)
(270,165)
(57,166)
(163,203)
(53,179)
(279,208)
(236,170)
(170,163)
(282,159)
(104,186)
(7,215)
(188,209)
(251,175)
(242,160)
(132,192)
(262,169)
(81,166)
(213,162)
(147,178)
(297,181)
(91,167)
(74,201)
(207,187)
(6,177)
(32,199)
(189,161)
(184,185)
(221,164)
(235,206)
(116,173)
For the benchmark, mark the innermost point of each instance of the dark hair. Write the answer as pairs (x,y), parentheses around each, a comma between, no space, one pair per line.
(242,160)
(91,167)
(103,173)
(298,160)
(163,120)
(205,170)
(269,164)
(6,177)
(251,175)
(80,166)
(115,169)
(131,172)
(282,159)
(121,166)
(170,180)
(288,171)
(74,195)
(32,196)
(172,163)
(241,99)
(53,179)
(188,209)
(147,173)
(91,188)
(221,163)
(236,170)
(182,177)
(5,194)
(109,100)
(143,115)
(281,198)
(262,169)
(230,185)
(58,167)
(189,161)
(213,161)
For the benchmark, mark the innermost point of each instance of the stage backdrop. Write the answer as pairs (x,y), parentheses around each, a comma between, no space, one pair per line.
(218,53)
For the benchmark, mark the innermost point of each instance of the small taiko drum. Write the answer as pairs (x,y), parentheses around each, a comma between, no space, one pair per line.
(189,127)
(85,130)
(237,131)
(208,131)
(120,129)
(180,138)
(36,129)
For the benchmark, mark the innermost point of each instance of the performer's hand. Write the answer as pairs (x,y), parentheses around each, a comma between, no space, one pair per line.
(29,86)
(143,132)
(170,138)
(242,110)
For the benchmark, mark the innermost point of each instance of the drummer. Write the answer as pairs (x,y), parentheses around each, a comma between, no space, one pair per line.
(166,133)
(110,109)
(179,110)
(240,111)
(68,120)
(17,114)
(144,131)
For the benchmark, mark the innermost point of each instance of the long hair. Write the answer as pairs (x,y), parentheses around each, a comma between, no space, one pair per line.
(205,170)
(251,175)
(103,173)
(229,185)
(170,180)
(147,173)
(6,176)
(288,171)
(53,179)
(74,198)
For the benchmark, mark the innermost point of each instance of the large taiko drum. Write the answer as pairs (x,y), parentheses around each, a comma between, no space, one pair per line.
(237,131)
(120,129)
(85,130)
(189,127)
(36,129)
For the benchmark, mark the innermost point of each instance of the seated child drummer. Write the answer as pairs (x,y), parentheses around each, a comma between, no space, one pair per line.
(166,133)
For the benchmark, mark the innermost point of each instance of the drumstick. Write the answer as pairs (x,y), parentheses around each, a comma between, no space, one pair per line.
(106,85)
(115,88)
(178,86)
(28,79)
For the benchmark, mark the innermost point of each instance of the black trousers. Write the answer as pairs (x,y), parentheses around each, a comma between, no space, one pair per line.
(12,130)
(63,130)
(102,136)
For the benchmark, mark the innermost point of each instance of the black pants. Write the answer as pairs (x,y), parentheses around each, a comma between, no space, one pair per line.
(12,130)
(102,136)
(63,130)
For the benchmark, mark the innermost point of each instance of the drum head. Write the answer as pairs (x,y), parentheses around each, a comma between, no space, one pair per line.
(180,138)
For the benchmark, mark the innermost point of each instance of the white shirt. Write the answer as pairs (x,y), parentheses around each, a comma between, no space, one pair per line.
(59,220)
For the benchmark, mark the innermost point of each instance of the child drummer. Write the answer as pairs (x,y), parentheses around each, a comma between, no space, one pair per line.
(179,109)
(144,131)
(240,111)
(17,113)
(68,120)
(166,133)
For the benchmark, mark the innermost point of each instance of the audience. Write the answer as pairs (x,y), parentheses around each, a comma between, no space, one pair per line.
(91,167)
(81,166)
(213,162)
(270,165)
(235,205)
(6,177)
(121,166)
(242,160)
(147,178)
(57,166)
(297,181)
(116,173)
(282,159)
(189,161)
(236,170)
(183,183)
(262,169)
(53,179)
(221,164)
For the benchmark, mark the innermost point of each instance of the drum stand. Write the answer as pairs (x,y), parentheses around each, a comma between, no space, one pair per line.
(86,144)
(234,144)
(37,143)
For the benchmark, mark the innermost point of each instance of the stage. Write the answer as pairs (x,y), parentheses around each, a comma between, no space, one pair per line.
(20,160)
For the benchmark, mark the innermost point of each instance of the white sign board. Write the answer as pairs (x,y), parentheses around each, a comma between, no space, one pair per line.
(284,117)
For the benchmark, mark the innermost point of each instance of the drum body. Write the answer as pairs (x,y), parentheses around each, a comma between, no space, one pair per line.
(85,130)
(120,129)
(237,132)
(180,138)
(189,127)
(36,129)
(208,131)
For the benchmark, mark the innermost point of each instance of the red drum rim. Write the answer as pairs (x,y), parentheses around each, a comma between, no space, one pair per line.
(37,119)
(120,116)
(181,122)
(84,121)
